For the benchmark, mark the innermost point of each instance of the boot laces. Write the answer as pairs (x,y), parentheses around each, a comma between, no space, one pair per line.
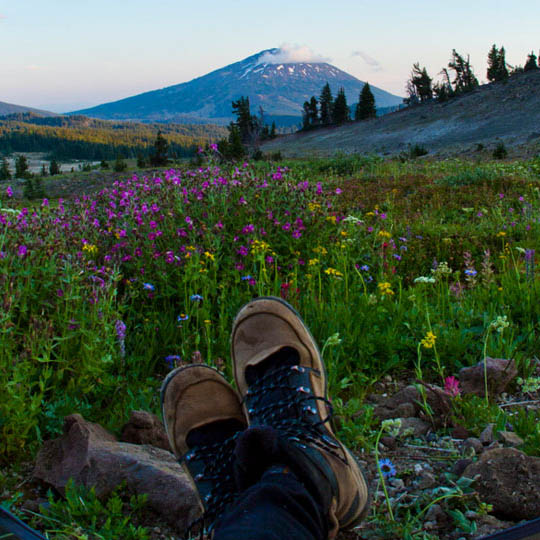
(283,399)
(217,469)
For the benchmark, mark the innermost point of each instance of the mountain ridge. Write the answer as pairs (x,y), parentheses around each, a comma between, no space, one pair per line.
(9,108)
(279,88)
(477,121)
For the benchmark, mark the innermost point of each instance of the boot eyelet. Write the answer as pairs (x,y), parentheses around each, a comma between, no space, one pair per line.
(303,390)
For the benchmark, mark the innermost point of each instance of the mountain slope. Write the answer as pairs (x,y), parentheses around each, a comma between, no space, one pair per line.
(280,88)
(9,108)
(508,112)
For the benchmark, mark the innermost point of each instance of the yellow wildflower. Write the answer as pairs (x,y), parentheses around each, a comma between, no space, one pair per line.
(429,340)
(331,219)
(501,233)
(91,249)
(384,234)
(333,272)
(313,262)
(209,255)
(385,288)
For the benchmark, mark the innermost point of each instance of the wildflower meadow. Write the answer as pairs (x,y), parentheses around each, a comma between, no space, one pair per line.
(408,269)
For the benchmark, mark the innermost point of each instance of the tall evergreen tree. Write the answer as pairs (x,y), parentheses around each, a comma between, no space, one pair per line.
(273,131)
(366,104)
(419,85)
(497,70)
(326,105)
(245,122)
(464,79)
(5,174)
(313,111)
(159,156)
(305,115)
(531,64)
(340,112)
(54,168)
(21,167)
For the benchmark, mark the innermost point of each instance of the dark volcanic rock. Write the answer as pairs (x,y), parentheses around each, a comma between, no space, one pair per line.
(500,373)
(145,428)
(92,457)
(407,403)
(509,480)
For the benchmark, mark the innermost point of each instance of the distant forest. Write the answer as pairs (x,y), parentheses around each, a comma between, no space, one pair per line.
(80,137)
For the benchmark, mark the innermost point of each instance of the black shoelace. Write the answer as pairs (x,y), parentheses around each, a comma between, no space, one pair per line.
(283,400)
(214,464)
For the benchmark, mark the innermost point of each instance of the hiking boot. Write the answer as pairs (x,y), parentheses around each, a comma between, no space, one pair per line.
(203,418)
(282,381)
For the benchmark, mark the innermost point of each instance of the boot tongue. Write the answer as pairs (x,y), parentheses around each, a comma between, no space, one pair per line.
(214,432)
(287,356)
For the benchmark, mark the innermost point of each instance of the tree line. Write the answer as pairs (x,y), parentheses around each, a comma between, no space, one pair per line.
(66,138)
(327,111)
(458,77)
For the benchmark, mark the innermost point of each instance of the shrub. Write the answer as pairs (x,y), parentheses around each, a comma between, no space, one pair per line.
(500,151)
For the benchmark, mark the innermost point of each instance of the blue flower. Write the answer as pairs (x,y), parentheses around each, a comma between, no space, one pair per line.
(196,298)
(182,317)
(246,278)
(171,360)
(470,272)
(364,268)
(148,287)
(387,468)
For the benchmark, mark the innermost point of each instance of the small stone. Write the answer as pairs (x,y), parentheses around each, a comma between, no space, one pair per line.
(397,483)
(486,437)
(473,443)
(414,426)
(435,513)
(460,465)
(460,432)
(426,481)
(389,442)
(510,438)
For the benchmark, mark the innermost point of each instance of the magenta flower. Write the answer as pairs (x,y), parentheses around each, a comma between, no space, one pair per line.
(9,191)
(22,251)
(451,386)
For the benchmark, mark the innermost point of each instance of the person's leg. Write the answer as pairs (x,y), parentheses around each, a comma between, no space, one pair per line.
(278,506)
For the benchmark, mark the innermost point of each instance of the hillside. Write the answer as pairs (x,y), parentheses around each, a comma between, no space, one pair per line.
(508,112)
(79,137)
(9,108)
(279,88)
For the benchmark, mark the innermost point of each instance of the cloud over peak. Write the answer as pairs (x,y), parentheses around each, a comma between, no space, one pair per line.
(292,54)
(371,62)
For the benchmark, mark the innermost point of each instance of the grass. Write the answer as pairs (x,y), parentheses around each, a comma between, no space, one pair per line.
(103,293)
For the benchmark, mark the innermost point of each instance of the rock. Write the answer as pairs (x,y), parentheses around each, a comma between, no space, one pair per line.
(500,372)
(486,437)
(426,481)
(407,403)
(145,428)
(474,444)
(389,442)
(397,483)
(94,458)
(460,432)
(508,479)
(435,513)
(413,426)
(510,438)
(460,465)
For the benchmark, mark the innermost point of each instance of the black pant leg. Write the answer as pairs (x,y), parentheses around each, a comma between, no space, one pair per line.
(277,507)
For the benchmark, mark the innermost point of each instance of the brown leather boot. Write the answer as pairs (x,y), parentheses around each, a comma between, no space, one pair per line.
(282,381)
(203,418)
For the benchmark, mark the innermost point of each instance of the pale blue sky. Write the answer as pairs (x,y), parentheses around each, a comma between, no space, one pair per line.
(66,54)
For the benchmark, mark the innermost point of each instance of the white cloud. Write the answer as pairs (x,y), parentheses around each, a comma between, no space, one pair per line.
(292,54)
(371,62)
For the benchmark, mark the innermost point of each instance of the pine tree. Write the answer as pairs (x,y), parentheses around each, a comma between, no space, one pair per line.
(305,115)
(419,85)
(5,174)
(531,64)
(273,131)
(464,80)
(244,120)
(340,112)
(313,112)
(161,148)
(326,105)
(21,167)
(366,104)
(54,168)
(236,149)
(43,170)
(497,70)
